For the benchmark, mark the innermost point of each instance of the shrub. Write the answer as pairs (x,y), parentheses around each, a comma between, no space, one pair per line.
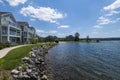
(7,44)
(2,45)
(13,44)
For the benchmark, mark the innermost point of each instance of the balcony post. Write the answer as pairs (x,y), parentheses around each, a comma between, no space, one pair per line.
(8,31)
(20,36)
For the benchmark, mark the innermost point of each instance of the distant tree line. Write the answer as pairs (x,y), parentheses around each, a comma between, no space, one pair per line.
(73,38)
(51,38)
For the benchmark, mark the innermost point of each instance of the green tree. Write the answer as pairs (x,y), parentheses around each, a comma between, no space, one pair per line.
(69,38)
(32,40)
(77,36)
(39,38)
(50,38)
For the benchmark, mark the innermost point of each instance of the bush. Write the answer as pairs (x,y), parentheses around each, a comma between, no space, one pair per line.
(7,44)
(13,44)
(32,41)
(2,45)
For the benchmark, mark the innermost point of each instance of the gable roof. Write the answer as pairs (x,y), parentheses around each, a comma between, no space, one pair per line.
(4,12)
(8,13)
(32,27)
(21,23)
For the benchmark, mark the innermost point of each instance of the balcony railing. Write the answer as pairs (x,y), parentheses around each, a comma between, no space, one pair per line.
(4,33)
(12,24)
(14,33)
(25,36)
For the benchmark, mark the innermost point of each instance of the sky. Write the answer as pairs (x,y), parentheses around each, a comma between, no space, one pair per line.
(96,18)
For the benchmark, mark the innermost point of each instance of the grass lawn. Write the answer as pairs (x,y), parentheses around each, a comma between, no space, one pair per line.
(13,58)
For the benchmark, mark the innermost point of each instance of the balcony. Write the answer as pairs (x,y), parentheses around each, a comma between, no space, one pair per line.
(4,30)
(12,24)
(4,33)
(18,34)
(25,36)
(15,34)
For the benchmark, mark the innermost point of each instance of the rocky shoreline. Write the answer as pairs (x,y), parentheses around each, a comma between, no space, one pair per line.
(34,66)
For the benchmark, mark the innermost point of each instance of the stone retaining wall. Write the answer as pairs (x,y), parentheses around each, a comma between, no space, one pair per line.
(32,67)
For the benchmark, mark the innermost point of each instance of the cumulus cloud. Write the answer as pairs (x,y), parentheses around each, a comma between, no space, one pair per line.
(108,17)
(103,21)
(113,6)
(118,19)
(1,1)
(32,19)
(98,26)
(113,12)
(52,31)
(39,31)
(16,2)
(94,32)
(42,13)
(63,26)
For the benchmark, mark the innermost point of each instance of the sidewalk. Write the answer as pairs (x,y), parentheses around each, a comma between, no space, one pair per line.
(3,52)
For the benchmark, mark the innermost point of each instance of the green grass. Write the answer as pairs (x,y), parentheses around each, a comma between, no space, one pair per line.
(13,58)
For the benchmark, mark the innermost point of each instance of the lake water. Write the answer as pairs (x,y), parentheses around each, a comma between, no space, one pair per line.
(86,61)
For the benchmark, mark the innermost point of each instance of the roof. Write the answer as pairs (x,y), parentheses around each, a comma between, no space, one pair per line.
(21,23)
(4,12)
(32,27)
(9,13)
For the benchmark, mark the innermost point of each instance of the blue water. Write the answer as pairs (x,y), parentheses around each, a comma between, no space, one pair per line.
(86,61)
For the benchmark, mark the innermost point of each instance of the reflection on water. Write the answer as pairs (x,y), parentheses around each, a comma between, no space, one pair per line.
(86,61)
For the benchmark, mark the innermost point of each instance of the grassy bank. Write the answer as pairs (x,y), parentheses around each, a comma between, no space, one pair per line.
(13,58)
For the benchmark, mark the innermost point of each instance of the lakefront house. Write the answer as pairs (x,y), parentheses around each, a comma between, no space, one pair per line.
(12,31)
(28,33)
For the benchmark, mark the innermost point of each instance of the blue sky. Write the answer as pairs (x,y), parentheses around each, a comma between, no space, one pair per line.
(96,18)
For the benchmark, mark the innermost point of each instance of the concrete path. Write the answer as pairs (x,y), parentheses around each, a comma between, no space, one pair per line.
(4,51)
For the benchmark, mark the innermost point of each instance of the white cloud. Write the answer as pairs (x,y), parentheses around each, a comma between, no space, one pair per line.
(63,26)
(112,13)
(118,19)
(102,21)
(16,2)
(42,13)
(53,31)
(116,31)
(113,6)
(40,31)
(61,34)
(32,19)
(98,26)
(1,2)
(94,32)
(108,17)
